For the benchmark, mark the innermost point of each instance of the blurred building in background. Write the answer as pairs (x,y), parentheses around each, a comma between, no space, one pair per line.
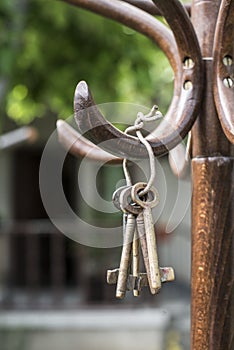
(43,270)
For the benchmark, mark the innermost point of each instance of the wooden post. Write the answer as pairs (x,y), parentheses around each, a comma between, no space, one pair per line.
(212,253)
(212,207)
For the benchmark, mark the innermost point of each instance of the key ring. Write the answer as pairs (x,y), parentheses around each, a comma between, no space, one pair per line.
(136,195)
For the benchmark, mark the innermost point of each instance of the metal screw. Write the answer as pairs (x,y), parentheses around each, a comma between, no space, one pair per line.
(228,82)
(188,63)
(227,60)
(188,85)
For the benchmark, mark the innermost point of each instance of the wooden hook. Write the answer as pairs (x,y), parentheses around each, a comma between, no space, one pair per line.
(183,110)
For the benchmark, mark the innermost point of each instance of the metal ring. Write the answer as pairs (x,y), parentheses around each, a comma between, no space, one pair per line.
(135,195)
(125,202)
(116,196)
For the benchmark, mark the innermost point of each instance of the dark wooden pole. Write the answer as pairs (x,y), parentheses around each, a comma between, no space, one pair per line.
(212,207)
(212,254)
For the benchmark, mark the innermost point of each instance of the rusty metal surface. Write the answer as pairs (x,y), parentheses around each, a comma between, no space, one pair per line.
(212,253)
(224,68)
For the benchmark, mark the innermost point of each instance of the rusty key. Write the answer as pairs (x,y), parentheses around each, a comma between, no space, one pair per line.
(147,205)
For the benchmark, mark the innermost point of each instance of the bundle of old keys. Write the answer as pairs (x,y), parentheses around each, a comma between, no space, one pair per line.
(136,203)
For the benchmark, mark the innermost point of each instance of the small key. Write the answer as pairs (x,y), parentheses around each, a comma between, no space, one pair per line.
(147,206)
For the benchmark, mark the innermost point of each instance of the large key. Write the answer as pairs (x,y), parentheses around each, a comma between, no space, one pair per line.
(128,235)
(130,208)
(147,205)
(142,236)
(125,256)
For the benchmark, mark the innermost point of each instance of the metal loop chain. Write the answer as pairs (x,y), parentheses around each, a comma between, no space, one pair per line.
(153,115)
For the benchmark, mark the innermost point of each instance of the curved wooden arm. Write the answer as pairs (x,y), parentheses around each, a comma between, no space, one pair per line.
(78,145)
(184,107)
(224,68)
(140,21)
(143,23)
(151,8)
(136,19)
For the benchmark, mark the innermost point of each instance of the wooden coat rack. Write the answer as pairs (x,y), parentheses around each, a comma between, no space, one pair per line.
(200,49)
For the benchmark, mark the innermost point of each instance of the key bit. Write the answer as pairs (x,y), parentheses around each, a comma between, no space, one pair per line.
(133,282)
(167,274)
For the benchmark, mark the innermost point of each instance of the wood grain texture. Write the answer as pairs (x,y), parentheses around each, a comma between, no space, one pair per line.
(212,254)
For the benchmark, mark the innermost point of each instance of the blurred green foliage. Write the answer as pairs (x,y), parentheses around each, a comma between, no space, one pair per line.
(46,47)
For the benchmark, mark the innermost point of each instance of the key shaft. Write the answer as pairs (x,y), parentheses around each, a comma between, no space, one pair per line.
(135,260)
(152,248)
(125,256)
(142,237)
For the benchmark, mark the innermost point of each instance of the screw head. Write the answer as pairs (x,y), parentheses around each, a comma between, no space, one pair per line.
(188,63)
(227,60)
(228,82)
(188,85)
